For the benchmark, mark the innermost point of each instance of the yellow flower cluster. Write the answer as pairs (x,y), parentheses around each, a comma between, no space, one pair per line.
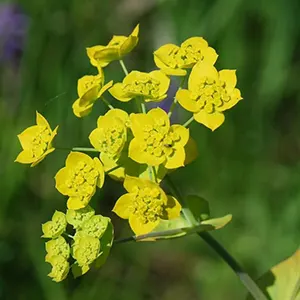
(138,149)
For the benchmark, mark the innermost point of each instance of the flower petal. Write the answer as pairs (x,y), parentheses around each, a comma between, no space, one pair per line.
(130,42)
(105,88)
(118,113)
(183,134)
(235,97)
(164,81)
(229,77)
(141,228)
(172,208)
(25,157)
(136,153)
(210,55)
(27,135)
(139,122)
(91,52)
(201,70)
(117,174)
(212,121)
(177,159)
(77,202)
(41,121)
(74,157)
(123,206)
(130,183)
(60,181)
(42,157)
(118,92)
(94,138)
(184,99)
(99,167)
(107,55)
(159,116)
(195,41)
(81,111)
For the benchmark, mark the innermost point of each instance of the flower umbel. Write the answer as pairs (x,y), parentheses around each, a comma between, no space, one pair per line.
(173,60)
(155,141)
(119,45)
(79,178)
(111,133)
(89,89)
(145,205)
(58,246)
(151,86)
(77,217)
(60,268)
(56,226)
(209,94)
(36,142)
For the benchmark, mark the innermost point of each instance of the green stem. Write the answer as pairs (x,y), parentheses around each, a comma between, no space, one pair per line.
(188,122)
(175,100)
(123,67)
(246,280)
(113,169)
(107,103)
(82,149)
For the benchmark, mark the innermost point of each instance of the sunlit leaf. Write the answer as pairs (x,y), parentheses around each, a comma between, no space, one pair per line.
(198,206)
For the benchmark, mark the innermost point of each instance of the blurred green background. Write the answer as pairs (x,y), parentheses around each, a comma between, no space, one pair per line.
(249,167)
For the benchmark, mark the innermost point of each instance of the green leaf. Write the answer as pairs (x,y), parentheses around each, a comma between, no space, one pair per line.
(106,242)
(283,280)
(199,207)
(216,223)
(78,271)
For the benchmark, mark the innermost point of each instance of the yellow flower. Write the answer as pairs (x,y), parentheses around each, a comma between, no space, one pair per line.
(54,228)
(173,59)
(151,86)
(111,133)
(36,142)
(119,45)
(60,267)
(77,217)
(95,226)
(145,205)
(85,248)
(155,141)
(209,94)
(89,89)
(79,178)
(57,246)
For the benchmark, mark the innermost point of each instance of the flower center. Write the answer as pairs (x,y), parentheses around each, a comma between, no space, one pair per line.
(210,94)
(147,204)
(82,179)
(111,139)
(144,86)
(158,142)
(189,54)
(40,141)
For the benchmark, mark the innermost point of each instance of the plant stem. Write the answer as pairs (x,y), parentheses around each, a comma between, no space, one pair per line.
(85,149)
(113,169)
(188,122)
(246,280)
(175,100)
(107,103)
(123,67)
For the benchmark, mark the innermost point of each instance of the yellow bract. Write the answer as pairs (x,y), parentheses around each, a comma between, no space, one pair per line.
(111,133)
(173,60)
(60,267)
(151,86)
(155,141)
(89,89)
(36,142)
(101,56)
(79,178)
(209,94)
(145,205)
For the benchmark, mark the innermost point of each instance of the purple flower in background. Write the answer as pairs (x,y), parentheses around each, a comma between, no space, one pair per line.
(13,26)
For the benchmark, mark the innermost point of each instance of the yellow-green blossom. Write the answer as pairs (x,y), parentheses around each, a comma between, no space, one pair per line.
(209,94)
(79,178)
(60,268)
(145,205)
(95,226)
(56,226)
(155,141)
(89,89)
(57,246)
(173,60)
(77,217)
(119,45)
(151,86)
(111,133)
(36,142)
(85,248)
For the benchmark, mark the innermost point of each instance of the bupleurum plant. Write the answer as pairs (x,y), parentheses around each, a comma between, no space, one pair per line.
(139,149)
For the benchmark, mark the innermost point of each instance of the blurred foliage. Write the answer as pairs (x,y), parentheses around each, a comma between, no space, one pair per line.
(249,167)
